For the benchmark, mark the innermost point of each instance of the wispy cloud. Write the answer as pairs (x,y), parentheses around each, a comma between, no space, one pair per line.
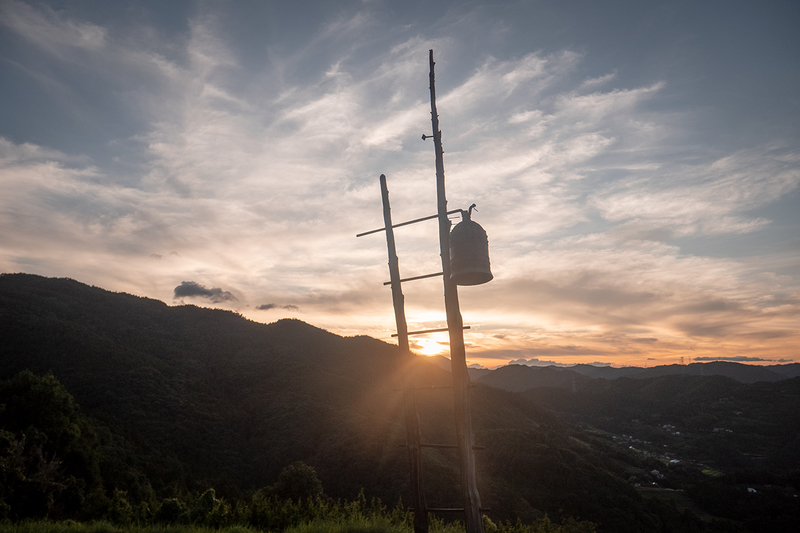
(46,29)
(710,198)
(258,180)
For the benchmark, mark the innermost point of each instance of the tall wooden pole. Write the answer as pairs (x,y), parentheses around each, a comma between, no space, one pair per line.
(394,271)
(413,434)
(455,325)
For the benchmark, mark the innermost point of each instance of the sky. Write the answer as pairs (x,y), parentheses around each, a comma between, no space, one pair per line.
(635,164)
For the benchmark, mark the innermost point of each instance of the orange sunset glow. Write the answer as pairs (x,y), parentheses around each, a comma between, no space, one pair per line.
(639,190)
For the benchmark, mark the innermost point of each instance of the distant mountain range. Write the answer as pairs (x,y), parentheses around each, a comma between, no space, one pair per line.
(520,377)
(741,372)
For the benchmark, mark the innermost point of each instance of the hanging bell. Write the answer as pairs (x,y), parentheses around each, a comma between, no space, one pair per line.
(469,252)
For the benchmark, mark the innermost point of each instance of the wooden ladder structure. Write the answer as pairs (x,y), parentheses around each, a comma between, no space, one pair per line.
(455,326)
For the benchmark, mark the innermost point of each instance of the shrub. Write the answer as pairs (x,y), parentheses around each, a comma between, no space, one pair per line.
(298,482)
(170,511)
(120,511)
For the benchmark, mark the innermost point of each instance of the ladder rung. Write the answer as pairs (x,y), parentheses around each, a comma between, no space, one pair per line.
(431,217)
(415,278)
(424,331)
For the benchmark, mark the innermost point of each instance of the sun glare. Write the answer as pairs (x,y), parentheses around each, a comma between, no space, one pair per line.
(429,347)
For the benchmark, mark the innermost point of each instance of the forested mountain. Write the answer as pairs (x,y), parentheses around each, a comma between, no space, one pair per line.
(230,399)
(733,448)
(182,398)
(517,377)
(189,398)
(712,419)
(738,371)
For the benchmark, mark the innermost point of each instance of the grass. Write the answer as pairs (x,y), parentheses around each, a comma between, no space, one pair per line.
(317,526)
(105,527)
(352,526)
(357,525)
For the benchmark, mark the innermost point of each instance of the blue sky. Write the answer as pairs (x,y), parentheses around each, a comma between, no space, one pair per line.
(635,164)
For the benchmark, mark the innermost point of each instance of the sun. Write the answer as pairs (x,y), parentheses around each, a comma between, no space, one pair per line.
(429,347)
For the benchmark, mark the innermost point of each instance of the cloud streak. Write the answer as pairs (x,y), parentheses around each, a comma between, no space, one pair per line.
(267,307)
(190,289)
(257,176)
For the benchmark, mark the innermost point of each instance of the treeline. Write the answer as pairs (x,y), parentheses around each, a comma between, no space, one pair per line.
(55,465)
(58,464)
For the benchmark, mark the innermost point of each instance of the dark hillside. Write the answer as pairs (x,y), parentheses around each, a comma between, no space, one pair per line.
(710,418)
(738,371)
(606,372)
(732,448)
(226,396)
(518,378)
(202,397)
(791,370)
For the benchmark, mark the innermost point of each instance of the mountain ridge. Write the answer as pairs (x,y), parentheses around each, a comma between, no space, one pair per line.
(207,398)
(519,377)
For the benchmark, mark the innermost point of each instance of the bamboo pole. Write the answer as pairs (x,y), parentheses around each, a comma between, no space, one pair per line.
(458,356)
(413,434)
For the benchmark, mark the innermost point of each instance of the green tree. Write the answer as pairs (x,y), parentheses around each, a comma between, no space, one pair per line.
(120,510)
(298,482)
(170,511)
(48,451)
(204,506)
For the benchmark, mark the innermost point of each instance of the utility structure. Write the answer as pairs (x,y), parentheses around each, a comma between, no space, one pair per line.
(465,261)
